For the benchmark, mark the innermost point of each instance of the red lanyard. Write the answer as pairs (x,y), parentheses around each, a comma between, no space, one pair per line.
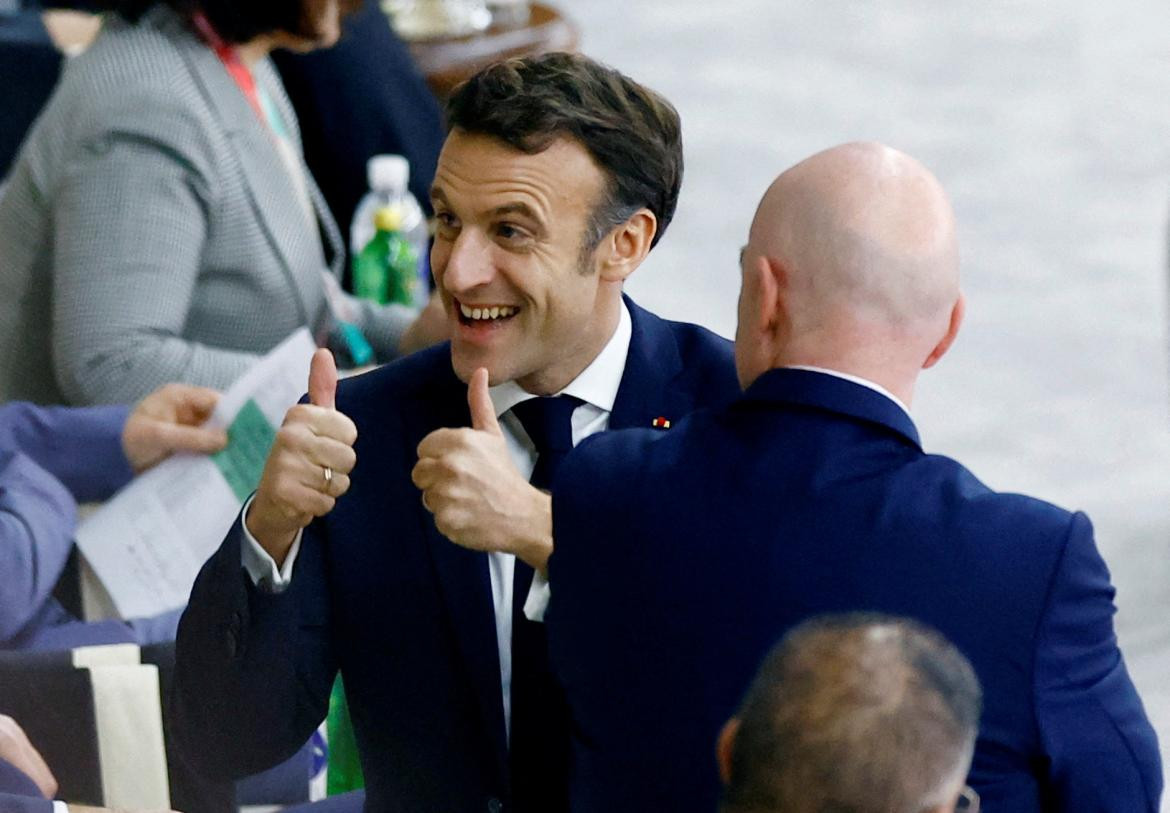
(231,60)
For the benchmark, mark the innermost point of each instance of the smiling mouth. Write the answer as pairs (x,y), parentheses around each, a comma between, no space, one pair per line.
(484,314)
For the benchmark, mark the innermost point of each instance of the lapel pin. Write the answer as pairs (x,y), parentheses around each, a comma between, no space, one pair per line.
(660,423)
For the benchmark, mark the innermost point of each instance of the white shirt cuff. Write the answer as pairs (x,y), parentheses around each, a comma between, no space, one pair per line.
(537,601)
(60,807)
(261,567)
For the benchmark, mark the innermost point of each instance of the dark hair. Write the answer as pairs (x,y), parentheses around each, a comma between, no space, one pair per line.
(632,133)
(235,20)
(855,713)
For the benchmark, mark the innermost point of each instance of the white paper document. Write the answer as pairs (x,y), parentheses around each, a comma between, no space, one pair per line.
(146,545)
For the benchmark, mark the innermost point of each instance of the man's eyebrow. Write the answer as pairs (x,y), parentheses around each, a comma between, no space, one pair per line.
(517,208)
(438,194)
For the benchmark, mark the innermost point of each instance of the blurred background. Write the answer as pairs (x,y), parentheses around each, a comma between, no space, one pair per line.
(1049,125)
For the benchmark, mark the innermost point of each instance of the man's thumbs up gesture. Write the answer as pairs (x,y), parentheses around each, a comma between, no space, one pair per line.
(308,467)
(479,499)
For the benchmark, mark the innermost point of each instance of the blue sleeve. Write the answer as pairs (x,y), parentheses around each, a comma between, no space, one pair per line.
(14,803)
(80,446)
(1102,751)
(37,520)
(18,793)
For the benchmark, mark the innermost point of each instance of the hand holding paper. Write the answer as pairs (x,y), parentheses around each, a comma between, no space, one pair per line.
(308,467)
(479,500)
(170,420)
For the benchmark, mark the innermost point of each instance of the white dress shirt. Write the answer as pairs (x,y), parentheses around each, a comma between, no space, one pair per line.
(597,387)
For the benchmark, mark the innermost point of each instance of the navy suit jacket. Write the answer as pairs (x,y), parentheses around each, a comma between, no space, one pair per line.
(675,573)
(19,794)
(379,592)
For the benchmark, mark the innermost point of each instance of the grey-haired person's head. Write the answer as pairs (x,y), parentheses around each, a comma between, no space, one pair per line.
(856,713)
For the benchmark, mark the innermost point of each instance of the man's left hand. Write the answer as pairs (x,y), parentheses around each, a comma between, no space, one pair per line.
(479,500)
(168,421)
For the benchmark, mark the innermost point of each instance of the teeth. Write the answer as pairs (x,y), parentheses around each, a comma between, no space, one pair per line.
(484,314)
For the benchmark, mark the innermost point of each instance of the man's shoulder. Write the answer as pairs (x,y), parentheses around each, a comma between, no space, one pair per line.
(1020,537)
(693,342)
(696,362)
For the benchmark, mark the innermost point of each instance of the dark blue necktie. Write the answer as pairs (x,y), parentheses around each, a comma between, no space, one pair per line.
(540,720)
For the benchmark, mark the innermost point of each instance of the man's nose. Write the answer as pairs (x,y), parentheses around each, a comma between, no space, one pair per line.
(469,264)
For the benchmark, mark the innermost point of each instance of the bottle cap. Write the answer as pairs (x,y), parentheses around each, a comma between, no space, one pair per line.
(388,173)
(388,218)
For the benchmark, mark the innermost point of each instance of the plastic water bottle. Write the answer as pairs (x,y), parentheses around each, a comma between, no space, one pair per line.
(386,270)
(388,177)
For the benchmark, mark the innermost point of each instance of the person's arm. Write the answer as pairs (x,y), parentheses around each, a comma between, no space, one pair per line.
(384,326)
(1101,750)
(244,645)
(37,519)
(254,668)
(18,803)
(81,447)
(94,451)
(130,226)
(22,768)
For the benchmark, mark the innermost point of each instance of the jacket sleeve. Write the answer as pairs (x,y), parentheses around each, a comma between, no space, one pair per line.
(15,803)
(20,792)
(37,519)
(81,447)
(1102,753)
(130,225)
(253,669)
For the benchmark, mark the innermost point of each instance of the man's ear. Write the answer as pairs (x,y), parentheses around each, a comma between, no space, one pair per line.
(944,345)
(627,245)
(769,281)
(725,747)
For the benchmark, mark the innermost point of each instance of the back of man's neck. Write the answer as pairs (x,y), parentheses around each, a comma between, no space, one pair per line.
(899,387)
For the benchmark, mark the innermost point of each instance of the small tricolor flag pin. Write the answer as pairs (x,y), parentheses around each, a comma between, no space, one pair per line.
(660,423)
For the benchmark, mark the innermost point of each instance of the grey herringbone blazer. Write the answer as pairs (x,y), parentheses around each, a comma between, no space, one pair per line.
(150,231)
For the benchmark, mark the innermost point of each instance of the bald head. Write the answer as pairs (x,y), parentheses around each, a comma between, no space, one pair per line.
(862,239)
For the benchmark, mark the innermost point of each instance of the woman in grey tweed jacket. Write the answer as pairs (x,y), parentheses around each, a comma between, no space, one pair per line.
(160,224)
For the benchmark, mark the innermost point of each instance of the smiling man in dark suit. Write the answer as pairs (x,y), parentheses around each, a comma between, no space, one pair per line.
(681,557)
(556,179)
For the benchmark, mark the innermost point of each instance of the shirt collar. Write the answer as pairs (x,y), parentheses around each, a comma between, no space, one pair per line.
(864,382)
(597,384)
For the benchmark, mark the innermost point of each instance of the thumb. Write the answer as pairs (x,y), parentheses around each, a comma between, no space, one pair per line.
(322,379)
(483,411)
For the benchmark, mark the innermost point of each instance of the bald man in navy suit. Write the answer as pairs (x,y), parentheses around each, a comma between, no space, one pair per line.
(681,557)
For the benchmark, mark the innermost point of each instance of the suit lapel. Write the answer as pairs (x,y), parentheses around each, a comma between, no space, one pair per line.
(463,575)
(266,182)
(647,391)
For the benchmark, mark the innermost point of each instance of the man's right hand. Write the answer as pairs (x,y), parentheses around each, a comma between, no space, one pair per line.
(308,467)
(17,751)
